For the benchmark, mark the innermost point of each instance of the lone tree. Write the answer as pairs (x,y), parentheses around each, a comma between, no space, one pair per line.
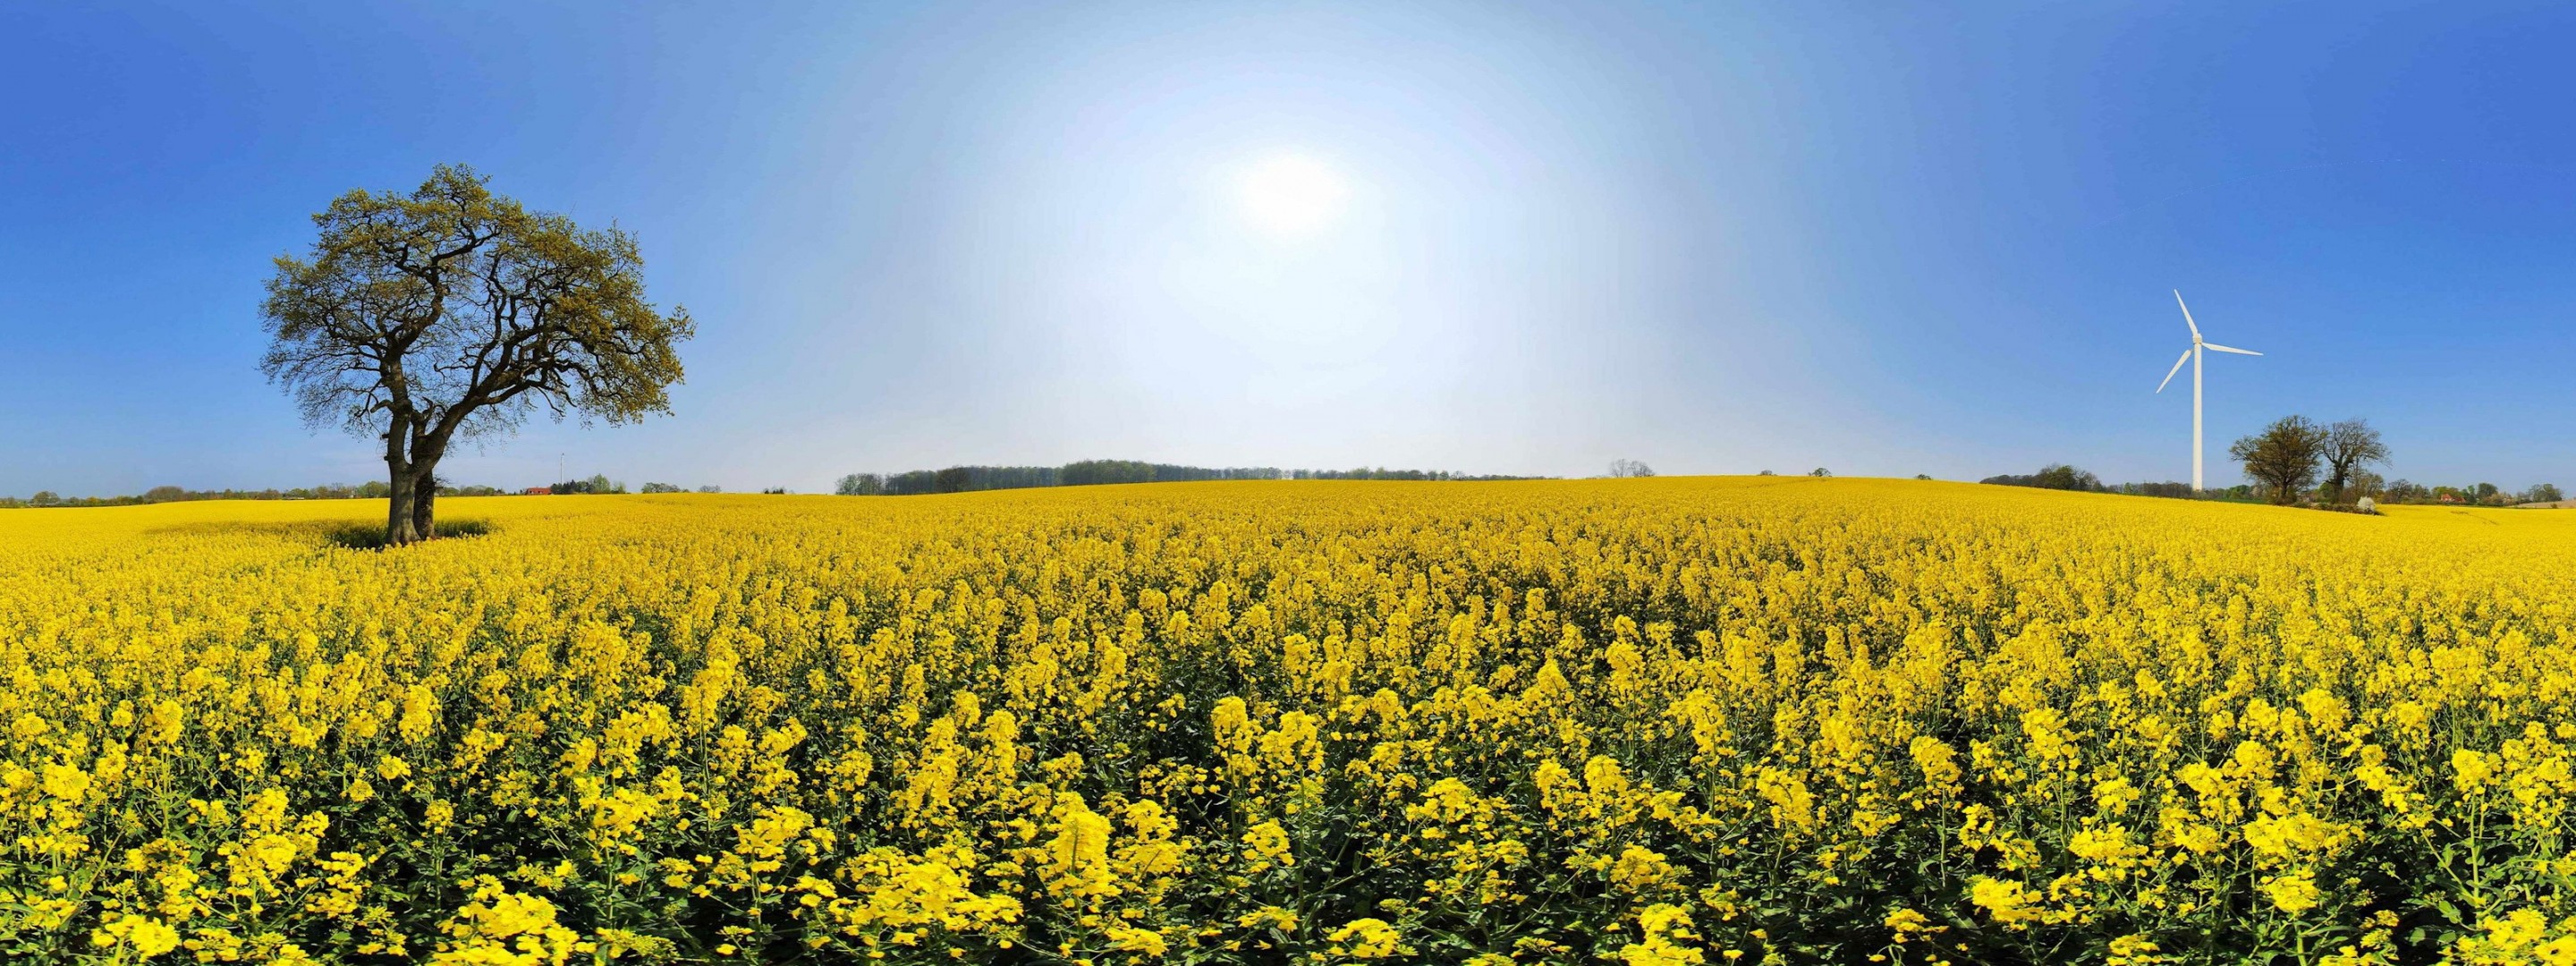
(2283,456)
(449,314)
(2349,446)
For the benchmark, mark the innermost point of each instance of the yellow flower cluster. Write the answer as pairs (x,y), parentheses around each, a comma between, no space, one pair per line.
(1659,721)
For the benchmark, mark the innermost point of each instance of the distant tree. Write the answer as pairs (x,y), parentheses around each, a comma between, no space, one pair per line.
(2283,457)
(2542,493)
(1629,469)
(449,314)
(663,488)
(2349,446)
(862,484)
(2059,476)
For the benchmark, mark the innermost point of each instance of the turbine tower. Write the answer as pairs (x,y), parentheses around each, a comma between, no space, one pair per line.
(2192,355)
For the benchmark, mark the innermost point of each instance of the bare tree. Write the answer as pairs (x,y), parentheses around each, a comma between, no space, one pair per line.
(2349,446)
(449,314)
(1624,469)
(2283,456)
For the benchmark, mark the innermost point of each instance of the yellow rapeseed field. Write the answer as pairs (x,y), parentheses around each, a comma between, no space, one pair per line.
(1655,722)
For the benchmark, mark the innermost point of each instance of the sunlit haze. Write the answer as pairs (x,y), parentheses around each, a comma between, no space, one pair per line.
(1293,196)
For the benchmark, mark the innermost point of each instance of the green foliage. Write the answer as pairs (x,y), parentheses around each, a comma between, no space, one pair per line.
(2283,457)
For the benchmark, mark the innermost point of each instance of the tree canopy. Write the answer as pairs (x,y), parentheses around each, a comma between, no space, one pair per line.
(2349,446)
(2283,457)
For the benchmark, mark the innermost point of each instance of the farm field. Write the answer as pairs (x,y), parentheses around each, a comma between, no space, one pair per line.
(1663,721)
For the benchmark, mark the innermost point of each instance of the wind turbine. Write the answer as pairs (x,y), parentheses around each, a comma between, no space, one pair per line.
(2192,355)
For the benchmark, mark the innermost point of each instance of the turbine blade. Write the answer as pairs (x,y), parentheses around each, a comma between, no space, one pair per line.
(2215,347)
(2186,316)
(2186,357)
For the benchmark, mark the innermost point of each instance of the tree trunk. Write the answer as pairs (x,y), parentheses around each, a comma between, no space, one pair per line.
(424,501)
(398,510)
(399,529)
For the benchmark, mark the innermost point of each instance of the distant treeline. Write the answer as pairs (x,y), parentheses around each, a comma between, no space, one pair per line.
(964,479)
(955,479)
(2058,476)
(372,490)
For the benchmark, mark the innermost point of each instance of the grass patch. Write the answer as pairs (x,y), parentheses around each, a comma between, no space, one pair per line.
(371,536)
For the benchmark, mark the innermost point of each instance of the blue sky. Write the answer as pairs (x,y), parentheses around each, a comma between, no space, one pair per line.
(1720,239)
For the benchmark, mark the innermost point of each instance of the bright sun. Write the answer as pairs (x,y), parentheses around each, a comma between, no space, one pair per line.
(1292,196)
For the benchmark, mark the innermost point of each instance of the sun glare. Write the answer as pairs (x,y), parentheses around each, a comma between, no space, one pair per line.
(1292,196)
